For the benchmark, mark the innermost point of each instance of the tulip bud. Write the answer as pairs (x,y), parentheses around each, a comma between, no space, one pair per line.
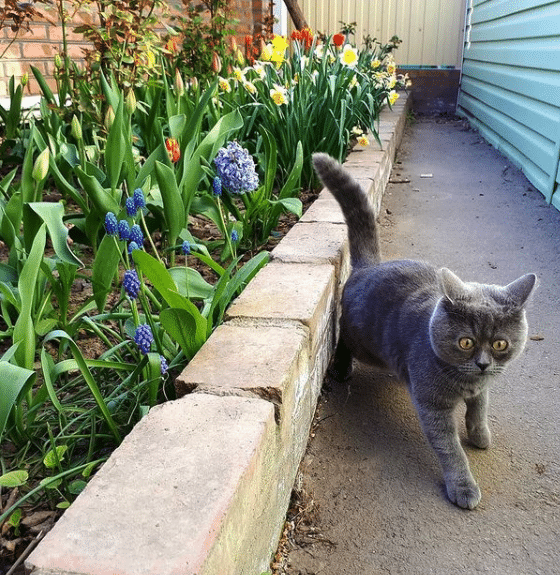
(179,84)
(109,118)
(130,102)
(216,63)
(194,83)
(24,79)
(57,61)
(76,128)
(41,166)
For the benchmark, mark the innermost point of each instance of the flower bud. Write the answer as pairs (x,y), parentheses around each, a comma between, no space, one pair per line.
(57,61)
(109,118)
(130,102)
(24,79)
(216,63)
(76,128)
(179,83)
(41,166)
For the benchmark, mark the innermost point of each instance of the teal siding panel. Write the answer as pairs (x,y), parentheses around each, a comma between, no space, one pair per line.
(510,87)
(532,145)
(537,116)
(545,21)
(542,85)
(542,54)
(495,9)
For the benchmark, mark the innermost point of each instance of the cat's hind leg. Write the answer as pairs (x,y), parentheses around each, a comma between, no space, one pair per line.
(476,420)
(341,365)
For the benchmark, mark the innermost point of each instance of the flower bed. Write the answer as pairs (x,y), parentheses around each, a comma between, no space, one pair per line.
(129,182)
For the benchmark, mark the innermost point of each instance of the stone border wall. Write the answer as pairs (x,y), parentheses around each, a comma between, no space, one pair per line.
(202,484)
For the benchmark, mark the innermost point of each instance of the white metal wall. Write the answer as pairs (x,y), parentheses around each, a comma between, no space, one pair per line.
(431,30)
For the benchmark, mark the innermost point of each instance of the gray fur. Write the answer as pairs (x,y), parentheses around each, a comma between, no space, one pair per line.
(413,318)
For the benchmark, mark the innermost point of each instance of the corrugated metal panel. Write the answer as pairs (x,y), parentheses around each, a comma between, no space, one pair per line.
(431,30)
(510,87)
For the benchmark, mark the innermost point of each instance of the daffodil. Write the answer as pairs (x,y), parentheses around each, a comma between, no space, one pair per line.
(363,141)
(393,97)
(250,87)
(278,95)
(349,56)
(238,74)
(266,53)
(375,64)
(223,83)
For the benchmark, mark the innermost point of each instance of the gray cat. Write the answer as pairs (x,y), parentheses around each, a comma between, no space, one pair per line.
(447,339)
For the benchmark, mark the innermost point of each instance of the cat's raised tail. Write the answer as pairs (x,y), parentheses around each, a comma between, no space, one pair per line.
(357,210)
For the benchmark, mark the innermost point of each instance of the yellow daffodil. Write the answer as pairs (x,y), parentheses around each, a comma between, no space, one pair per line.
(238,74)
(250,87)
(278,95)
(393,97)
(375,64)
(223,83)
(349,56)
(363,141)
(266,53)
(280,44)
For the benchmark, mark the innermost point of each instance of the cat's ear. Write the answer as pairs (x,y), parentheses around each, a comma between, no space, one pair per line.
(519,290)
(452,286)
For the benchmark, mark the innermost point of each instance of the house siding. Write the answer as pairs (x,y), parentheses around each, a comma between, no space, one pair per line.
(510,88)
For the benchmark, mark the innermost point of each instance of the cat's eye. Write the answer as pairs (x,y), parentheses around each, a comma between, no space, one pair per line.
(466,343)
(500,345)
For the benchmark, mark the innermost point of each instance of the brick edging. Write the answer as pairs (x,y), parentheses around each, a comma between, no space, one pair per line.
(201,485)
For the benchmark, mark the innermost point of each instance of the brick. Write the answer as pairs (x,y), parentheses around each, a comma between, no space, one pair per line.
(261,360)
(314,242)
(32,50)
(187,503)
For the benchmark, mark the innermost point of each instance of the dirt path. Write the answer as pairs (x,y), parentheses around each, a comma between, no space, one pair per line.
(374,500)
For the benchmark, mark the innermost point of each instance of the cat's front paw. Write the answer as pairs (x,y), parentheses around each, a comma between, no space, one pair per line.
(480,436)
(464,494)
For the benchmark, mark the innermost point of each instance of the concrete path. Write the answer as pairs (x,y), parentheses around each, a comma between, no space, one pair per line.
(375,483)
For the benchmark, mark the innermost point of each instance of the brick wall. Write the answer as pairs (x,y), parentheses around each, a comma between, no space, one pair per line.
(39,45)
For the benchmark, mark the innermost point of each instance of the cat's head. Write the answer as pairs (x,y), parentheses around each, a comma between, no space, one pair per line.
(480,328)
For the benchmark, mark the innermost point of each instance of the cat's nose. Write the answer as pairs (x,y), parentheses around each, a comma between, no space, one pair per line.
(482,365)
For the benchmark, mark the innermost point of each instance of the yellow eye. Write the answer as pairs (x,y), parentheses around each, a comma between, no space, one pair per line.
(466,343)
(500,345)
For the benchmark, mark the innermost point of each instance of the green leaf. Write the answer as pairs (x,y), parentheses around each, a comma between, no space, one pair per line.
(173,207)
(155,271)
(24,331)
(100,197)
(187,328)
(115,147)
(104,269)
(88,378)
(190,283)
(54,456)
(292,181)
(14,478)
(77,486)
(51,213)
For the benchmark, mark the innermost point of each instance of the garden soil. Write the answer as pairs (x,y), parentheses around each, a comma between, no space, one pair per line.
(370,498)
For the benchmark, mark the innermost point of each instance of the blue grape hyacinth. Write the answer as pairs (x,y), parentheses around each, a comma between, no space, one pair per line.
(164,366)
(136,235)
(236,169)
(131,283)
(124,230)
(186,248)
(217,186)
(130,207)
(139,200)
(143,338)
(132,246)
(111,223)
